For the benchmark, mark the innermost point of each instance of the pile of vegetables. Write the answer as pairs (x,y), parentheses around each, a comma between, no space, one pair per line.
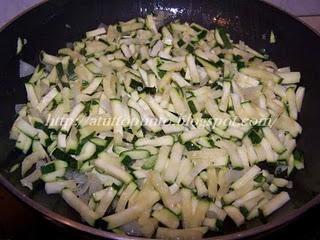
(158,170)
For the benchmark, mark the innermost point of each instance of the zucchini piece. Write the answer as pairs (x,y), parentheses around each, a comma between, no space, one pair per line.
(222,38)
(215,211)
(32,96)
(199,213)
(26,128)
(291,98)
(131,27)
(23,142)
(105,201)
(107,180)
(157,142)
(263,75)
(135,154)
(53,176)
(95,32)
(275,203)
(93,86)
(171,171)
(211,223)
(288,124)
(61,155)
(186,207)
(72,117)
(202,190)
(29,161)
(155,107)
(184,170)
(195,78)
(167,218)
(192,107)
(280,182)
(166,36)
(172,128)
(290,77)
(180,80)
(178,102)
(235,214)
(223,105)
(87,151)
(150,197)
(58,186)
(231,149)
(113,170)
(150,23)
(163,158)
(139,174)
(247,197)
(100,143)
(62,140)
(49,59)
(198,168)
(299,97)
(147,225)
(276,145)
(166,196)
(248,176)
(254,135)
(217,156)
(269,154)
(87,166)
(189,233)
(119,149)
(212,182)
(298,159)
(210,68)
(48,98)
(192,134)
(238,193)
(136,85)
(149,162)
(125,196)
(86,213)
(151,149)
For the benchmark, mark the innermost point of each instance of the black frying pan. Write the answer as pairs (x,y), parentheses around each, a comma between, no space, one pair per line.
(50,25)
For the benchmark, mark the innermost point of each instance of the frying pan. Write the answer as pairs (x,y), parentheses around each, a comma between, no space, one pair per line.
(50,25)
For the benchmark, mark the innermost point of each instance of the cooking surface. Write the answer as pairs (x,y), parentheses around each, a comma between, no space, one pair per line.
(18,221)
(307,10)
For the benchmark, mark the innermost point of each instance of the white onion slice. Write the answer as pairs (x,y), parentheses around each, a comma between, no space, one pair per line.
(25,69)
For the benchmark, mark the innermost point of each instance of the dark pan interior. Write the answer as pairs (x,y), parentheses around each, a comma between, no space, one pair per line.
(54,23)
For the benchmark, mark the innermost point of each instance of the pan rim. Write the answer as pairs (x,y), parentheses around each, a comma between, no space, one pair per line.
(58,218)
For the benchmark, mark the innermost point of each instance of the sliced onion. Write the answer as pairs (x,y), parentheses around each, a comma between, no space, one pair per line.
(28,180)
(48,67)
(40,163)
(242,46)
(25,69)
(35,112)
(233,175)
(18,107)
(290,185)
(269,64)
(79,178)
(132,229)
(69,45)
(102,25)
(140,182)
(162,18)
(94,183)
